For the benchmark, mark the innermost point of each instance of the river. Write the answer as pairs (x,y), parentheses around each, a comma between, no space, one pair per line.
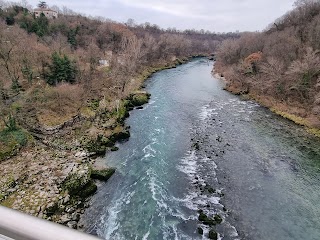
(263,171)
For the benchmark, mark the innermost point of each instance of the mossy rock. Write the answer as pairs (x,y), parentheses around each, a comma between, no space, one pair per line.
(99,145)
(52,210)
(89,189)
(120,136)
(137,99)
(103,175)
(76,182)
(114,149)
(96,148)
(213,234)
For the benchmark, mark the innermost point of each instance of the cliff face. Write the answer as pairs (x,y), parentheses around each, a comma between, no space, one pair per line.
(279,67)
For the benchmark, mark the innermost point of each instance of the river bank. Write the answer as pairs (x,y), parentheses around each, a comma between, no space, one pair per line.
(54,176)
(311,123)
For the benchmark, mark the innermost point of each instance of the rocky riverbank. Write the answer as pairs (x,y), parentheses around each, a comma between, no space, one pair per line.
(54,174)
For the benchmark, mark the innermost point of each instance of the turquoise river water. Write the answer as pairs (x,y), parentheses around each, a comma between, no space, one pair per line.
(264,169)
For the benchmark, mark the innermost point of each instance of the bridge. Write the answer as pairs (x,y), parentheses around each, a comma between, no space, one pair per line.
(15,225)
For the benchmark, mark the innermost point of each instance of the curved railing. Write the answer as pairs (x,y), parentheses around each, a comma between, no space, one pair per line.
(20,226)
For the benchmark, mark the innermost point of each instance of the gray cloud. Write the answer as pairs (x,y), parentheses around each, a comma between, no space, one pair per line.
(213,15)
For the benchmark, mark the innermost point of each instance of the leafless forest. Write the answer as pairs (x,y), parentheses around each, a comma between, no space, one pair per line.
(280,66)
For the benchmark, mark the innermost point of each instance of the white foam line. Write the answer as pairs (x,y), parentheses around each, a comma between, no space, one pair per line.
(145,237)
(111,224)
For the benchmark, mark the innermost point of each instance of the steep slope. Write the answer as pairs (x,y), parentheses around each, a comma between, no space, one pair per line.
(280,66)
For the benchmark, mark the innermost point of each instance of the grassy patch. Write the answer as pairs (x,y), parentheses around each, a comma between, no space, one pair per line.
(51,119)
(8,202)
(87,112)
(11,142)
(2,197)
(94,104)
(298,120)
(314,131)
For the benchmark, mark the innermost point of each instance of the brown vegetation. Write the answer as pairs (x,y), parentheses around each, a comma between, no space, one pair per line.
(280,66)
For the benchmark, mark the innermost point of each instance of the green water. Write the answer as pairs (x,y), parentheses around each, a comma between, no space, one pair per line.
(265,170)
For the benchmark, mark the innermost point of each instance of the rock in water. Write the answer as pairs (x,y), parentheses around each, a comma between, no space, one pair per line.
(213,234)
(200,230)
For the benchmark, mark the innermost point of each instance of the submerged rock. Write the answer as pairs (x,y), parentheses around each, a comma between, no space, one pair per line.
(211,190)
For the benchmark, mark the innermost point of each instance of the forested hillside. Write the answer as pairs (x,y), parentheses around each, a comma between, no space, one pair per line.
(280,66)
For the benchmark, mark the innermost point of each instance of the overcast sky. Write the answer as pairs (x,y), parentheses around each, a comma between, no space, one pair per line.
(213,15)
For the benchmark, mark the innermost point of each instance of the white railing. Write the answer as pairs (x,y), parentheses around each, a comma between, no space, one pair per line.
(20,226)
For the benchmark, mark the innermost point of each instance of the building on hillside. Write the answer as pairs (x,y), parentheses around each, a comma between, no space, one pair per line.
(46,11)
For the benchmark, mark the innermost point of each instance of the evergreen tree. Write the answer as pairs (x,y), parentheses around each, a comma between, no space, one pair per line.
(10,20)
(72,37)
(61,70)
(40,26)
(42,4)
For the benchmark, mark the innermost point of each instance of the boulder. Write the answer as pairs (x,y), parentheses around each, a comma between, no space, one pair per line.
(103,174)
(213,234)
(137,99)
(77,181)
(89,189)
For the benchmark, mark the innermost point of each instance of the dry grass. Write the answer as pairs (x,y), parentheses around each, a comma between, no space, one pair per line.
(50,119)
(59,104)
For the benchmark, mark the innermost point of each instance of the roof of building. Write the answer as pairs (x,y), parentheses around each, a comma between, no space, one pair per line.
(44,9)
